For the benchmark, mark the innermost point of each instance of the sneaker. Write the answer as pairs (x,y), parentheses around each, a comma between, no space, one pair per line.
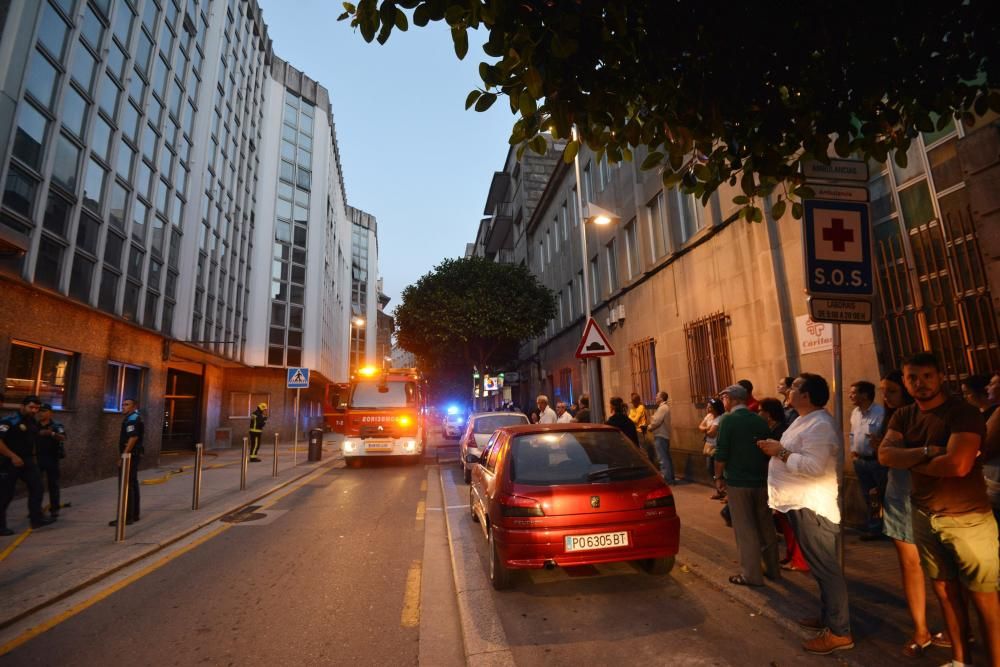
(811,623)
(254,459)
(827,642)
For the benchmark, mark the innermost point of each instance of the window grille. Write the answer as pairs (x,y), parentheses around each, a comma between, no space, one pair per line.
(642,356)
(710,365)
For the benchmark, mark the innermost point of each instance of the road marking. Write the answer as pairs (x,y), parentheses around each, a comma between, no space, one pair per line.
(34,630)
(410,617)
(421,509)
(423,486)
(9,550)
(449,507)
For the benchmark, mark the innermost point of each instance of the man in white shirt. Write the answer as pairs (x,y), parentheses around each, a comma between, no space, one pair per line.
(866,421)
(659,426)
(546,415)
(562,414)
(802,483)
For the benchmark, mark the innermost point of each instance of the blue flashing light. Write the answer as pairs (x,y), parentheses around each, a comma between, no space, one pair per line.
(452,409)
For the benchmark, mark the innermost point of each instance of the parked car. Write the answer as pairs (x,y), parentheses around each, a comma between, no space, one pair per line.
(570,494)
(477,433)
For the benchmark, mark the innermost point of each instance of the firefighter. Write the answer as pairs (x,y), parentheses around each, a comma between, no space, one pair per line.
(18,440)
(258,418)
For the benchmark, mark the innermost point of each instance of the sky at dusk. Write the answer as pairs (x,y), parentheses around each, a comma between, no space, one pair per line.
(412,155)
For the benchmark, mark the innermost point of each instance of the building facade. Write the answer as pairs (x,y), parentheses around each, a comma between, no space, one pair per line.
(364,287)
(692,299)
(174,190)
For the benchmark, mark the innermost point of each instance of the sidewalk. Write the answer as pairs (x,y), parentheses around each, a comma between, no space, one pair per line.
(79,549)
(879,617)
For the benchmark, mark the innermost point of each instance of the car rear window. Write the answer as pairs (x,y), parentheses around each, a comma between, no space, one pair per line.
(485,425)
(576,457)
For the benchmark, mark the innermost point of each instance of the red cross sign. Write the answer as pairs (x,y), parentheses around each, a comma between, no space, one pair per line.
(838,251)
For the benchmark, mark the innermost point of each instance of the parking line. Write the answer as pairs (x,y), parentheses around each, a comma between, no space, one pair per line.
(410,617)
(421,510)
(423,486)
(9,550)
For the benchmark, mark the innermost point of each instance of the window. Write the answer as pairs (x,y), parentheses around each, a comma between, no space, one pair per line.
(30,136)
(41,371)
(642,357)
(612,253)
(121,381)
(548,246)
(242,403)
(41,79)
(632,249)
(710,367)
(57,212)
(569,301)
(66,163)
(19,192)
(595,281)
(81,277)
(555,236)
(573,213)
(93,186)
(50,255)
(579,291)
(52,32)
(686,213)
(588,185)
(657,224)
(563,214)
(74,112)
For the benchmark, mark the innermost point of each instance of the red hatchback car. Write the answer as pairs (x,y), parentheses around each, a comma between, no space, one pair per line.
(570,494)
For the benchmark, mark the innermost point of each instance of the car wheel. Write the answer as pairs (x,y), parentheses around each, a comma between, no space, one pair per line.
(472,509)
(499,575)
(658,566)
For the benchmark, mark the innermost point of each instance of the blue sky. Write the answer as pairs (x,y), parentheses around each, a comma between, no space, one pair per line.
(411,154)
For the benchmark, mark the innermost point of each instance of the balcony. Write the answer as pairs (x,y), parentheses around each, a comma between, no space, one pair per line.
(499,236)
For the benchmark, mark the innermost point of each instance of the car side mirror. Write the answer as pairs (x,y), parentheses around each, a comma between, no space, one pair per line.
(472,458)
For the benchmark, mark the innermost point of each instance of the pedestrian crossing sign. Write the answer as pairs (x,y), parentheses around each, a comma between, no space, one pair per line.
(298,378)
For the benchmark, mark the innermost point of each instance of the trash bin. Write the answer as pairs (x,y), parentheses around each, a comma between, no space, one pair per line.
(316,444)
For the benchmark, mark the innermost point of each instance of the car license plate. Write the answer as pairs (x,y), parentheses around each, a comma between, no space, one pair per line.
(597,541)
(378,446)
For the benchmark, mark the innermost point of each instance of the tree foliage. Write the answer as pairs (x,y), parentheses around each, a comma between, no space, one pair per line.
(474,311)
(720,91)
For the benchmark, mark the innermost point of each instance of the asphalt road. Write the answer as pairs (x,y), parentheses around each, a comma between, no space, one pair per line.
(617,614)
(330,574)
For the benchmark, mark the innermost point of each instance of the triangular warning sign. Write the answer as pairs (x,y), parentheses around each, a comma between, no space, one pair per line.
(593,343)
(298,378)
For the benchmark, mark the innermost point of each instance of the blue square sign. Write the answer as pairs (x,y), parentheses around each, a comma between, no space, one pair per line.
(298,378)
(838,249)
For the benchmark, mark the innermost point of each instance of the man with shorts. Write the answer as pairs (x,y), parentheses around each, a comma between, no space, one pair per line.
(938,439)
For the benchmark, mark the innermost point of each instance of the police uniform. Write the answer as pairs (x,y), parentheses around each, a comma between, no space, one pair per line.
(132,426)
(20,433)
(50,450)
(257,422)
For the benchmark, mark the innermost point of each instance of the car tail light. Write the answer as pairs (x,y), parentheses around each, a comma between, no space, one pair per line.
(660,498)
(520,506)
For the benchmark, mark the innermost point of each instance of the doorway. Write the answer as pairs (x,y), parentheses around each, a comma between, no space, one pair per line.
(181,410)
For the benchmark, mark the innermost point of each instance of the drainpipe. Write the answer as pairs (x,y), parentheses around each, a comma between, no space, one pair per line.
(781,290)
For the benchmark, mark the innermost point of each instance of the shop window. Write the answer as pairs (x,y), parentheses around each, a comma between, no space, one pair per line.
(42,371)
(122,381)
(710,366)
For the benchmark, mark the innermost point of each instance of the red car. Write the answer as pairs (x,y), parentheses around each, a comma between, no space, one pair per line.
(570,494)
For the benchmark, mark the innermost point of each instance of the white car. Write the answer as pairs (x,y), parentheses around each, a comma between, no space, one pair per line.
(452,425)
(478,432)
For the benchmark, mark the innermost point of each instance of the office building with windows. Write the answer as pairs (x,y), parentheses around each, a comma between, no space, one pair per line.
(364,287)
(693,299)
(173,217)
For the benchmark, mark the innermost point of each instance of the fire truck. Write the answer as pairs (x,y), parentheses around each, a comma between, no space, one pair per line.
(385,415)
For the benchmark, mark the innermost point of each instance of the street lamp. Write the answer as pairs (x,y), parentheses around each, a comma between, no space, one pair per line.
(598,216)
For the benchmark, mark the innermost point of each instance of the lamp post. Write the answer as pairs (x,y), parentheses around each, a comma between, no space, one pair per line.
(600,217)
(357,323)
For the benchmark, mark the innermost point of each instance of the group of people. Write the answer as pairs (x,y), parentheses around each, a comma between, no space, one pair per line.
(919,458)
(31,446)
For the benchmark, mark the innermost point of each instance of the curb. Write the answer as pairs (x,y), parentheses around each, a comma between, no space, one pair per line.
(502,657)
(160,546)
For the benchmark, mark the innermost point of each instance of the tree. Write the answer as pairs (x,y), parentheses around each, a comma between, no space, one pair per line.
(472,312)
(719,91)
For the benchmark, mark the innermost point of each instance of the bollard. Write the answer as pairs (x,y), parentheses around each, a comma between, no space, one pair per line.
(123,497)
(243,466)
(198,459)
(274,465)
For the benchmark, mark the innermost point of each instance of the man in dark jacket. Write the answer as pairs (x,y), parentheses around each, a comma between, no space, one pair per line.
(583,414)
(51,436)
(619,419)
(258,418)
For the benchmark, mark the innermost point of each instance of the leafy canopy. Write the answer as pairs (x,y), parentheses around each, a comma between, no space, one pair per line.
(719,91)
(472,310)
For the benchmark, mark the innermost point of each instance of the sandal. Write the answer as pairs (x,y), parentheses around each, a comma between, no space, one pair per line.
(740,581)
(914,649)
(941,640)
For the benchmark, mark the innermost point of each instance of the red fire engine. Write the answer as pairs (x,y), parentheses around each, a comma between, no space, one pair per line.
(385,414)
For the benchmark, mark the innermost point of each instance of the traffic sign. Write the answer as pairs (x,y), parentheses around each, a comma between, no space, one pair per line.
(839,192)
(838,249)
(298,378)
(593,343)
(840,311)
(837,170)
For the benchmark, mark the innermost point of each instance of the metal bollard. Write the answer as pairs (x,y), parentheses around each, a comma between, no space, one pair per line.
(198,460)
(243,465)
(123,497)
(274,466)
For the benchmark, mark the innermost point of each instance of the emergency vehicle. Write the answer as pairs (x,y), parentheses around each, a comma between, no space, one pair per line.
(385,415)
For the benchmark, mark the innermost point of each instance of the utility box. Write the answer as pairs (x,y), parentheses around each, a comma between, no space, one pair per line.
(316,444)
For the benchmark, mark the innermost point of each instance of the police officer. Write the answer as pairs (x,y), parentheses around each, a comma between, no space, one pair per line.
(51,436)
(18,434)
(257,420)
(130,441)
